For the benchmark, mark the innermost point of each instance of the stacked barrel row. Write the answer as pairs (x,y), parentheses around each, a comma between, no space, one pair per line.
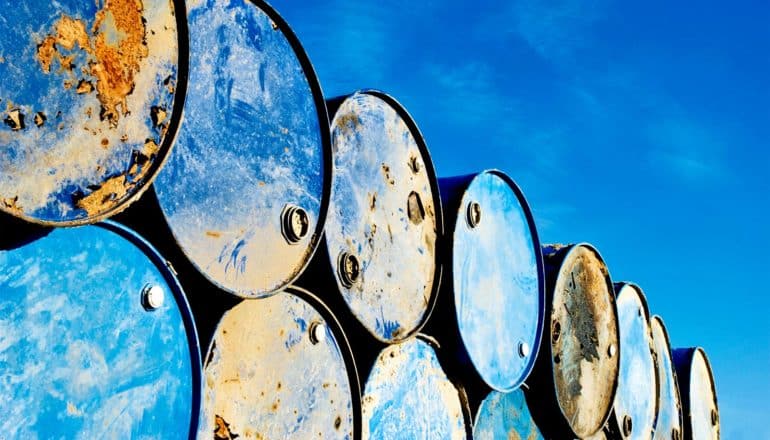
(279,265)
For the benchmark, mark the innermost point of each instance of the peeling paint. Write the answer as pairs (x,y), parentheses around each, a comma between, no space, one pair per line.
(669,417)
(505,416)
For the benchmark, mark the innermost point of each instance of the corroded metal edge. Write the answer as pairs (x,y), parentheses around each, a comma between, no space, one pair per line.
(683,359)
(674,377)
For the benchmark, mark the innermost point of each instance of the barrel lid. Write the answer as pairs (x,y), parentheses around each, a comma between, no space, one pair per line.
(246,188)
(98,340)
(385,216)
(90,97)
(636,401)
(408,396)
(698,393)
(505,416)
(584,338)
(499,286)
(280,367)
(668,423)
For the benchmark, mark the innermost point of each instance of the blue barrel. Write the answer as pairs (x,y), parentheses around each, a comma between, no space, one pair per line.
(97,339)
(698,394)
(573,385)
(491,306)
(668,423)
(505,416)
(636,401)
(384,217)
(91,96)
(245,191)
(280,367)
(408,396)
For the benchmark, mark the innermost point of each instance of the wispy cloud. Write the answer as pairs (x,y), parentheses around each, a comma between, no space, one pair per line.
(687,150)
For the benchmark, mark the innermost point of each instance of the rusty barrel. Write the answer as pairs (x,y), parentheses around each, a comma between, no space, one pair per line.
(245,190)
(489,314)
(384,217)
(636,402)
(668,423)
(408,396)
(280,367)
(505,416)
(91,96)
(573,386)
(698,393)
(97,339)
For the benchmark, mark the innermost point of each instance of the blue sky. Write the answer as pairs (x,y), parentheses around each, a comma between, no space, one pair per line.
(639,127)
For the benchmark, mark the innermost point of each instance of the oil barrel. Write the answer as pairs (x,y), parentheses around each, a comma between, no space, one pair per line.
(384,217)
(91,96)
(505,416)
(668,423)
(246,187)
(489,315)
(698,393)
(280,367)
(635,407)
(97,339)
(573,386)
(408,396)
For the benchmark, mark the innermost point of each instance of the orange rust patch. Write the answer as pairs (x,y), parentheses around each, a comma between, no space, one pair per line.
(11,204)
(84,87)
(107,195)
(213,234)
(222,430)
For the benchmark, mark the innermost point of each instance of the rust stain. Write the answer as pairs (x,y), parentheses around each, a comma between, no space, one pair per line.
(222,430)
(15,119)
(11,204)
(213,234)
(107,195)
(84,87)
(40,119)
(158,115)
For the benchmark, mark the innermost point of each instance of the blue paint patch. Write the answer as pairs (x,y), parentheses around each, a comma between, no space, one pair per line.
(80,357)
(254,141)
(505,416)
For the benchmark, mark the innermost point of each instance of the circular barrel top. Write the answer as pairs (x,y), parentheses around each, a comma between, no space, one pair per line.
(497,275)
(668,424)
(408,396)
(88,99)
(384,218)
(97,339)
(505,416)
(280,367)
(246,188)
(698,393)
(637,395)
(584,338)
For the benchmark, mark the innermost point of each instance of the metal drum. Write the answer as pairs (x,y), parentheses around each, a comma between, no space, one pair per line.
(408,396)
(698,394)
(505,416)
(492,303)
(385,216)
(573,386)
(668,424)
(90,96)
(280,367)
(96,339)
(635,407)
(245,190)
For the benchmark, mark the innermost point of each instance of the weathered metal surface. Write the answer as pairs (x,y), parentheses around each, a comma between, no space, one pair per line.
(384,218)
(577,372)
(408,396)
(636,401)
(82,352)
(87,96)
(280,367)
(505,416)
(246,188)
(698,393)
(497,280)
(668,423)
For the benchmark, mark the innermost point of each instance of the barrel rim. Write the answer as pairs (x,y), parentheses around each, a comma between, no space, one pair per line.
(690,354)
(659,321)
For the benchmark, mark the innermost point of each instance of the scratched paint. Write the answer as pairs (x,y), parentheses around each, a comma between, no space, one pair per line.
(408,396)
(584,338)
(80,357)
(505,416)
(266,377)
(636,400)
(384,213)
(668,424)
(698,393)
(497,281)
(251,145)
(86,97)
